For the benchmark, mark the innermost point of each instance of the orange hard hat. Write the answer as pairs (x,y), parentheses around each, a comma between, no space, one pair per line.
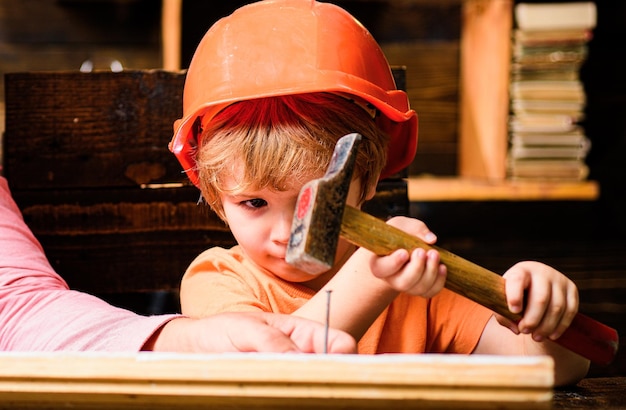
(282,47)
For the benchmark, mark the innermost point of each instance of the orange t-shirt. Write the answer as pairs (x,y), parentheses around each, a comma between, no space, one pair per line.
(225,280)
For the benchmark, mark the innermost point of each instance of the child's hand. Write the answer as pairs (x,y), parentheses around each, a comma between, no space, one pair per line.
(551,300)
(419,272)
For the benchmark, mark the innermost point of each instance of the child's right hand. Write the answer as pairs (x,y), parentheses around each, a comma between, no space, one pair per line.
(417,273)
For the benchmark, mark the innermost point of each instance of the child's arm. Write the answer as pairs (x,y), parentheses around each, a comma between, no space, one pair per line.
(551,301)
(366,284)
(248,332)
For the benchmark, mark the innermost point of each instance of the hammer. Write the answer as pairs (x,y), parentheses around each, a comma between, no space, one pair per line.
(321,216)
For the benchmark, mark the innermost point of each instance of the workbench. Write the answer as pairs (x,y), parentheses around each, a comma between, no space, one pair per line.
(606,393)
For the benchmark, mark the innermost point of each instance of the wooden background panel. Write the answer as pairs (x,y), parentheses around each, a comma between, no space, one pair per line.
(129,263)
(80,22)
(53,57)
(432,72)
(401,21)
(424,36)
(122,241)
(87,130)
(61,35)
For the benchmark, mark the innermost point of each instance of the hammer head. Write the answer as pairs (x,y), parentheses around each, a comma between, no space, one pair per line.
(319,210)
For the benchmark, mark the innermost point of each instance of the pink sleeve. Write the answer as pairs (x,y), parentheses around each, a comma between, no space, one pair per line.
(39,312)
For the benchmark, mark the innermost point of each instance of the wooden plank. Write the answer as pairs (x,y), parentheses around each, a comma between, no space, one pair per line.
(485,61)
(98,129)
(475,189)
(120,211)
(135,262)
(122,240)
(271,381)
(171,33)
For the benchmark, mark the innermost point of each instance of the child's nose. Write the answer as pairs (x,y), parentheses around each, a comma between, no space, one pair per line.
(282,228)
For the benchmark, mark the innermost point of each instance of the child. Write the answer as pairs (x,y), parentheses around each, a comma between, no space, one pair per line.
(269,91)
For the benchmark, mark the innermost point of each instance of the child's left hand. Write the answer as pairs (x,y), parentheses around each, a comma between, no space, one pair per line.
(419,272)
(548,299)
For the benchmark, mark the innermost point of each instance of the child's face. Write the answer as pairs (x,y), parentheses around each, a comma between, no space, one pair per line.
(260,221)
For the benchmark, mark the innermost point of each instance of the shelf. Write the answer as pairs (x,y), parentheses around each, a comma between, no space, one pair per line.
(432,189)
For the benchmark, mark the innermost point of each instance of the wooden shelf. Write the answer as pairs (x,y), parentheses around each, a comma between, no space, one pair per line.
(465,189)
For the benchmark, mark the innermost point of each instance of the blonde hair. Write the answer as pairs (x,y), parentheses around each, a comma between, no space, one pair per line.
(285,140)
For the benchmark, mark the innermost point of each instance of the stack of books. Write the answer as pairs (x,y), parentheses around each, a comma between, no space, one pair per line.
(549,45)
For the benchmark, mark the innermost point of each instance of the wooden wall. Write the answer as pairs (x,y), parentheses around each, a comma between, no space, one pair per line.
(62,34)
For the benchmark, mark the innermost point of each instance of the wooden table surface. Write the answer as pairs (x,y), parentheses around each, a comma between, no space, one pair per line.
(594,393)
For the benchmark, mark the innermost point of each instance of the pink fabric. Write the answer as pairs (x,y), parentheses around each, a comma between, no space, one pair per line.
(37,310)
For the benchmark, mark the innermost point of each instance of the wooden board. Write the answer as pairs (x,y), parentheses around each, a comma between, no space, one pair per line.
(484,106)
(422,189)
(73,130)
(271,381)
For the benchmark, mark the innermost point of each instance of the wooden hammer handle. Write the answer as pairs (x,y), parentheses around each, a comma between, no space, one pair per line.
(585,336)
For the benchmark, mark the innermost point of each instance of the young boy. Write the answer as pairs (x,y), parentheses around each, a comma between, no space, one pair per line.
(270,90)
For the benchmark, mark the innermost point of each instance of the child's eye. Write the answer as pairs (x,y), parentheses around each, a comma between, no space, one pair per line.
(255,203)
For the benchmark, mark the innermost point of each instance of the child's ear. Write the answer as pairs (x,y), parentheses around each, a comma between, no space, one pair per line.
(370,192)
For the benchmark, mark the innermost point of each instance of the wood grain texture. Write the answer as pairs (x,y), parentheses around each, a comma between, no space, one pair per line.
(605,393)
(88,130)
(432,84)
(485,61)
(473,189)
(271,381)
(171,34)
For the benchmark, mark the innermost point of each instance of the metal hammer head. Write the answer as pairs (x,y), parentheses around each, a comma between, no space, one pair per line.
(317,218)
